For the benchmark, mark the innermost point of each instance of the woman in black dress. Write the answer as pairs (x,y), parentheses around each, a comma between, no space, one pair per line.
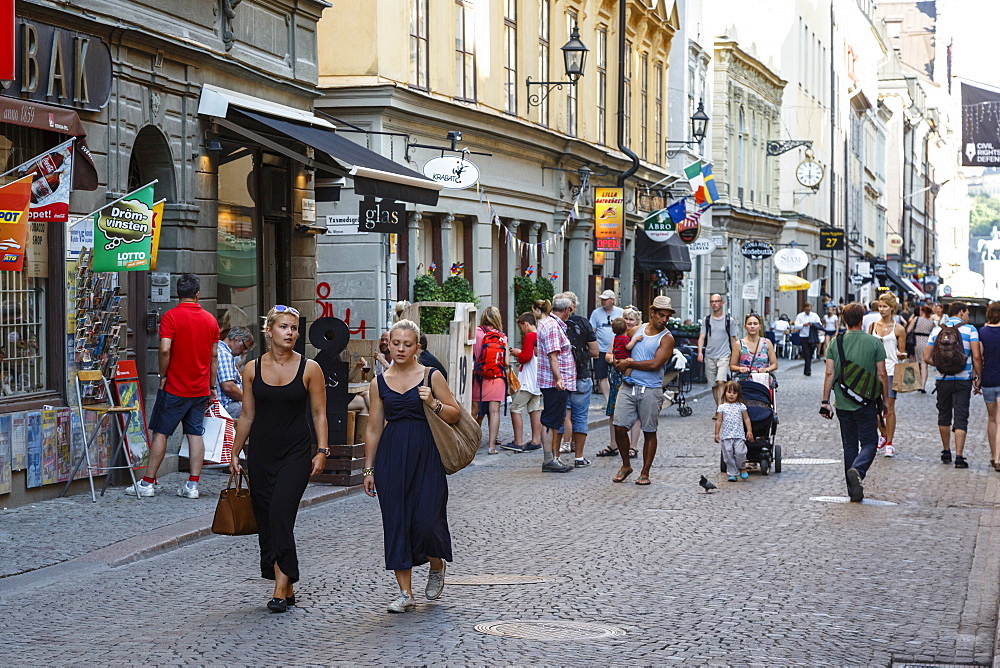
(402,461)
(280,390)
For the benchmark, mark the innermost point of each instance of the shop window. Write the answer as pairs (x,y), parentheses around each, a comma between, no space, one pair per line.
(510,56)
(465,51)
(238,232)
(544,12)
(602,85)
(418,44)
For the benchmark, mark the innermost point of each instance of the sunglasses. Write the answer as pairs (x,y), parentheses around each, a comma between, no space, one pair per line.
(281,308)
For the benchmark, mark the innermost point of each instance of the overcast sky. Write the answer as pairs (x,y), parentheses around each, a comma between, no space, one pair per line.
(974,25)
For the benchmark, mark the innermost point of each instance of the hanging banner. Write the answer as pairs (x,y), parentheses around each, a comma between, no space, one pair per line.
(609,218)
(123,233)
(659,226)
(980,127)
(52,182)
(751,289)
(157,227)
(15,198)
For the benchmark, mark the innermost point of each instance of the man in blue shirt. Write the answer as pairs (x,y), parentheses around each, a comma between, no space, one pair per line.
(601,319)
(954,391)
(237,343)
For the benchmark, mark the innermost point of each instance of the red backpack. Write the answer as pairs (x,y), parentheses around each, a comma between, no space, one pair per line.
(492,360)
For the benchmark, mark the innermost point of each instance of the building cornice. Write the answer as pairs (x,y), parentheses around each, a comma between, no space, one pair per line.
(751,63)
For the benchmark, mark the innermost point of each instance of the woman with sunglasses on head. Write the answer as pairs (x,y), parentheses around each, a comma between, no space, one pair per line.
(402,463)
(753,353)
(281,388)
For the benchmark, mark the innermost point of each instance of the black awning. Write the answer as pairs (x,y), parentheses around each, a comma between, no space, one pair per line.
(893,278)
(670,255)
(373,174)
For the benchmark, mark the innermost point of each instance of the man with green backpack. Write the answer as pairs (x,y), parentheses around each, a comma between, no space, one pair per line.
(855,371)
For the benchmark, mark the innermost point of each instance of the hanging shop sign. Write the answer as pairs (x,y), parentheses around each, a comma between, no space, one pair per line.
(14,199)
(123,233)
(704,246)
(790,260)
(980,129)
(831,239)
(894,241)
(757,250)
(384,215)
(599,257)
(7,51)
(51,175)
(609,218)
(59,66)
(857,279)
(452,172)
(751,289)
(880,268)
(909,268)
(659,226)
(689,228)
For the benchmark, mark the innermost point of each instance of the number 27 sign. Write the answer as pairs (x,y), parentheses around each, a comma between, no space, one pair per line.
(831,239)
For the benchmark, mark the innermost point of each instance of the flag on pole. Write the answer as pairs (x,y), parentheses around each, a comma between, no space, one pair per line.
(123,233)
(15,198)
(711,191)
(51,184)
(157,228)
(696,178)
(678,210)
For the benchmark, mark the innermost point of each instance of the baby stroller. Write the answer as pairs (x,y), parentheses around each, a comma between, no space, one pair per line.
(677,380)
(763,450)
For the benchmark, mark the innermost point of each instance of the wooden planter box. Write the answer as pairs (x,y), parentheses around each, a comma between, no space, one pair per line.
(343,466)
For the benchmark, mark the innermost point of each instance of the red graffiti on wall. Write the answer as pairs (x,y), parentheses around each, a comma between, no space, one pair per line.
(326,309)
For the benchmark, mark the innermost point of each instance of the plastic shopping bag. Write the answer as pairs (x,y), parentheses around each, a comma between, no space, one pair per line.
(220,433)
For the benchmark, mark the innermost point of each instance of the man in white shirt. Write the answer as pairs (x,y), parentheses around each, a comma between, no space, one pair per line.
(871,316)
(809,325)
(601,319)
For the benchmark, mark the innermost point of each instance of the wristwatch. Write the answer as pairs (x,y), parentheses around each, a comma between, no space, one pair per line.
(325,451)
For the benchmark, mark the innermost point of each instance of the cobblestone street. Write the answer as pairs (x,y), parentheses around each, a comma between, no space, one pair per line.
(753,573)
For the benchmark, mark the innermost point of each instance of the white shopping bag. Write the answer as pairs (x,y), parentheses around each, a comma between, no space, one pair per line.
(220,432)
(762,378)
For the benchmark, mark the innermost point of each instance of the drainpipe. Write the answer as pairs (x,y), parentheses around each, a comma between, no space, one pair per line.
(621,120)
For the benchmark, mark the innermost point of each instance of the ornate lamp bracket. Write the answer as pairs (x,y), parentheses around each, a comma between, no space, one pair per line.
(786,145)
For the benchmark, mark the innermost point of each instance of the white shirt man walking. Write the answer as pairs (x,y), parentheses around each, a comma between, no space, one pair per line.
(715,346)
(601,319)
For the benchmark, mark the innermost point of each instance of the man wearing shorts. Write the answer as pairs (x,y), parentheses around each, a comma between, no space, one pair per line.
(528,399)
(715,346)
(601,319)
(556,373)
(188,358)
(642,398)
(584,344)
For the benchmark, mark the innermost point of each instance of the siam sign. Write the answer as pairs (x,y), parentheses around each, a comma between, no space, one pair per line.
(58,66)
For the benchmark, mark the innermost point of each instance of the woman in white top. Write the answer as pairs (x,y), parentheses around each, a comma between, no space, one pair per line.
(893,337)
(831,322)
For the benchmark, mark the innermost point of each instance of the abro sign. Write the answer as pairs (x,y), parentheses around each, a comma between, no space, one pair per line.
(58,66)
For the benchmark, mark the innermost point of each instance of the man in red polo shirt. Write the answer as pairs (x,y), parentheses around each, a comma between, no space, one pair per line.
(188,356)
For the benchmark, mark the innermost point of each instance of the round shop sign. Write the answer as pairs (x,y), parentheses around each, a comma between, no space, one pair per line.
(703,246)
(757,250)
(894,241)
(452,172)
(790,260)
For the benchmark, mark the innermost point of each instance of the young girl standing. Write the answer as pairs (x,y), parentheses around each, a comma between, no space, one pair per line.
(733,430)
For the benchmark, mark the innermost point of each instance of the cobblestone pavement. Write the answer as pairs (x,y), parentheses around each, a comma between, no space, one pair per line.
(754,573)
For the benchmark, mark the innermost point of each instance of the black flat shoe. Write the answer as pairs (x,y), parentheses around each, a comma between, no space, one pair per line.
(277,605)
(290,601)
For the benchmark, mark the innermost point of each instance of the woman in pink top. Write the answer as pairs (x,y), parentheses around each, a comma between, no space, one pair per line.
(489,381)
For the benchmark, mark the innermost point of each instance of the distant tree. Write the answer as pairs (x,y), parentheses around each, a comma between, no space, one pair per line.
(984,215)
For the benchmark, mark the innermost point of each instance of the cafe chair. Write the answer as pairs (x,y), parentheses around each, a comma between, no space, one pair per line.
(86,382)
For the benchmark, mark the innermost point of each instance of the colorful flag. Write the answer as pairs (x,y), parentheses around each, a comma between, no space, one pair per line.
(123,233)
(689,229)
(678,210)
(15,197)
(157,228)
(697,180)
(711,191)
(51,184)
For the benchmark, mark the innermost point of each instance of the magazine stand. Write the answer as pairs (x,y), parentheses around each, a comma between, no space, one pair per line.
(86,384)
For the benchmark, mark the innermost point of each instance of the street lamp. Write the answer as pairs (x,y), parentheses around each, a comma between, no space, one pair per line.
(699,128)
(574,59)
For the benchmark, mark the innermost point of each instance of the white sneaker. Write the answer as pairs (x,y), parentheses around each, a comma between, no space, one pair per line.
(881,443)
(566,447)
(889,450)
(403,603)
(187,491)
(435,582)
(145,489)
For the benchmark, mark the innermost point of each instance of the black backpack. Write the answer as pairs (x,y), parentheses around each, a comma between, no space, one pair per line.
(708,326)
(576,332)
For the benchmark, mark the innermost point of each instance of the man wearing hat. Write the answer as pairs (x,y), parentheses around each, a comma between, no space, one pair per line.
(601,320)
(641,398)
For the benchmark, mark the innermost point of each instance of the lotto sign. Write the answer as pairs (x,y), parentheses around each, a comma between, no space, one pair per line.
(609,218)
(14,200)
(123,233)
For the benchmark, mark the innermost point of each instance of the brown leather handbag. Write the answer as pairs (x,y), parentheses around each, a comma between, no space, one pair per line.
(456,443)
(234,513)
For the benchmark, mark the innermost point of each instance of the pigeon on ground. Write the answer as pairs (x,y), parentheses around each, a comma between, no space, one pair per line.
(706,484)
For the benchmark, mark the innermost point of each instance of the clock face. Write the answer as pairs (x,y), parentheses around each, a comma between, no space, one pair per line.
(809,173)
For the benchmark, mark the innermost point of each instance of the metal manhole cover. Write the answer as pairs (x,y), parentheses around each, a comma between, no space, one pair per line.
(809,461)
(495,580)
(844,499)
(548,630)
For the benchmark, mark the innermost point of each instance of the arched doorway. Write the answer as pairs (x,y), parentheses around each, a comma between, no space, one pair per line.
(150,159)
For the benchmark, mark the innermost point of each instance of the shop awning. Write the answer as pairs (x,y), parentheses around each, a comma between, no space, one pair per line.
(904,285)
(59,120)
(670,255)
(373,174)
(914,288)
(791,282)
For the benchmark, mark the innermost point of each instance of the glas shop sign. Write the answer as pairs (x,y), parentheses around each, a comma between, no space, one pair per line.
(452,172)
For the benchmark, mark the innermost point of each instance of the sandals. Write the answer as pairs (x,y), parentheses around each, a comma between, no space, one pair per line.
(632,452)
(643,481)
(621,475)
(608,452)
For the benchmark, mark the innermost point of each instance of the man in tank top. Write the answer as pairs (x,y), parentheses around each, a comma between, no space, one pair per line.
(642,397)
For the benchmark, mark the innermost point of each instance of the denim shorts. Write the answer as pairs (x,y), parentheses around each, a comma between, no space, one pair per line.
(579,406)
(892,392)
(990,394)
(169,410)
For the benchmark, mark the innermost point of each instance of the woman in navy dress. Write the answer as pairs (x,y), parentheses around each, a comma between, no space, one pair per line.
(403,464)
(281,391)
